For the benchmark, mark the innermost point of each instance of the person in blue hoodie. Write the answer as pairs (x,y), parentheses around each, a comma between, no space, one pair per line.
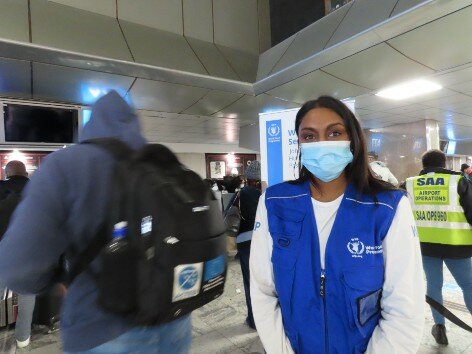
(63,207)
(335,259)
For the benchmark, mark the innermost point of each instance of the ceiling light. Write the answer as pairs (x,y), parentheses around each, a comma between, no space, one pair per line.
(409,89)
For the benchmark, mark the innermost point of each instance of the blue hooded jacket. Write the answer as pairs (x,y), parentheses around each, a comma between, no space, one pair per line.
(63,206)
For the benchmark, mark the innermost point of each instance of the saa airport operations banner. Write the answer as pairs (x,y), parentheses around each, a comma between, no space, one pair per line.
(279,146)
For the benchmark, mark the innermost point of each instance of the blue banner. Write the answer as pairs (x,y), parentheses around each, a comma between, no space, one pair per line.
(274,151)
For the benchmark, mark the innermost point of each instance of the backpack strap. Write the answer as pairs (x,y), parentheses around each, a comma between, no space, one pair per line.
(75,264)
(73,268)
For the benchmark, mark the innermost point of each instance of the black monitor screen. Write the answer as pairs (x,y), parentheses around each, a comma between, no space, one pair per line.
(40,124)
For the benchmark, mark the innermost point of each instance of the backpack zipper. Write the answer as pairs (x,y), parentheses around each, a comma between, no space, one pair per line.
(323,296)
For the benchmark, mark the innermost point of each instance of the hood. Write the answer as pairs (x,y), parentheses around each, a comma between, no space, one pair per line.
(112,117)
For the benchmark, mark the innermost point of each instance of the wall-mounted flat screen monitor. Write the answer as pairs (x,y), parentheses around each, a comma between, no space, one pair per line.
(34,124)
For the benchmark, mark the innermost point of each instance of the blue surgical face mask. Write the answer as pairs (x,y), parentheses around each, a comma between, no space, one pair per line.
(326,160)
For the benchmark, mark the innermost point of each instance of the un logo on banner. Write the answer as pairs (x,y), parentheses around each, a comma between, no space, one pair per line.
(273,130)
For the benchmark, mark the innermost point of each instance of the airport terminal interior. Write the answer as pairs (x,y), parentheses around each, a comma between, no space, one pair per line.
(208,78)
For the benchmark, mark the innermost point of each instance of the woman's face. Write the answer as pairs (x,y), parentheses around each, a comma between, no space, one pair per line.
(322,124)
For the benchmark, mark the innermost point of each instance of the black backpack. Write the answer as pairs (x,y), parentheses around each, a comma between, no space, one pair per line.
(175,259)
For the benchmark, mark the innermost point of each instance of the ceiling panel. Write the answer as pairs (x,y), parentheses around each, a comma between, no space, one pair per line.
(269,58)
(156,119)
(77,30)
(102,7)
(243,63)
(236,25)
(249,107)
(444,92)
(75,85)
(464,87)
(441,44)
(161,48)
(363,114)
(376,103)
(213,102)
(403,5)
(198,19)
(212,59)
(449,102)
(317,34)
(14,20)
(166,97)
(455,77)
(434,113)
(356,20)
(164,15)
(15,78)
(263,14)
(315,84)
(411,108)
(217,123)
(464,109)
(377,67)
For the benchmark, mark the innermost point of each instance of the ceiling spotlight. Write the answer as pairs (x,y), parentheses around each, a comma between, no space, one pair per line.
(409,89)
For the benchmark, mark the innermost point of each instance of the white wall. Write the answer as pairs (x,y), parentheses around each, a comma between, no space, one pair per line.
(195,162)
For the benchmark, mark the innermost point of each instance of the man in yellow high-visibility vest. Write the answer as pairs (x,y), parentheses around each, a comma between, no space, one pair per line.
(442,206)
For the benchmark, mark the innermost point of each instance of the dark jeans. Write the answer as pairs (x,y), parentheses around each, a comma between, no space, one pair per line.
(244,249)
(461,270)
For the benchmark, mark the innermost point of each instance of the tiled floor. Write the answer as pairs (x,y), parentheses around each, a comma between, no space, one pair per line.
(219,327)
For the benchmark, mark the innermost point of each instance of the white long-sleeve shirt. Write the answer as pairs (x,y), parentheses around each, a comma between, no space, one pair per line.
(402,304)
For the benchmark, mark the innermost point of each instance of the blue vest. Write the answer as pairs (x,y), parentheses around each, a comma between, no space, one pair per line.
(331,310)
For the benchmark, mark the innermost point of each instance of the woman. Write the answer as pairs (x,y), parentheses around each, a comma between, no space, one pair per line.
(335,259)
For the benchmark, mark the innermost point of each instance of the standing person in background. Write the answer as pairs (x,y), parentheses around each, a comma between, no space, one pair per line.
(63,208)
(248,200)
(442,205)
(466,171)
(10,194)
(326,249)
(381,170)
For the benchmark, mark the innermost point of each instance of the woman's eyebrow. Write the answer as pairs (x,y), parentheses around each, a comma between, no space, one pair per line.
(329,126)
(334,124)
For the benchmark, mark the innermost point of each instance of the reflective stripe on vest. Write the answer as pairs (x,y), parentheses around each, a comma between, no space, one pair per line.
(439,216)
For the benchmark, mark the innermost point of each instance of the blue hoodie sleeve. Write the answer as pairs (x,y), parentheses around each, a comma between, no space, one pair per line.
(36,238)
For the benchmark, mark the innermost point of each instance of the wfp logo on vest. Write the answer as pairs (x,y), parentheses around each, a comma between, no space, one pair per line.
(357,248)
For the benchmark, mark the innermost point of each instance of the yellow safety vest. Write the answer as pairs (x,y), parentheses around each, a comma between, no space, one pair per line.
(439,216)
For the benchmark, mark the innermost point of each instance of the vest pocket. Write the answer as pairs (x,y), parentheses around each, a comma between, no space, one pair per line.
(363,290)
(287,223)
